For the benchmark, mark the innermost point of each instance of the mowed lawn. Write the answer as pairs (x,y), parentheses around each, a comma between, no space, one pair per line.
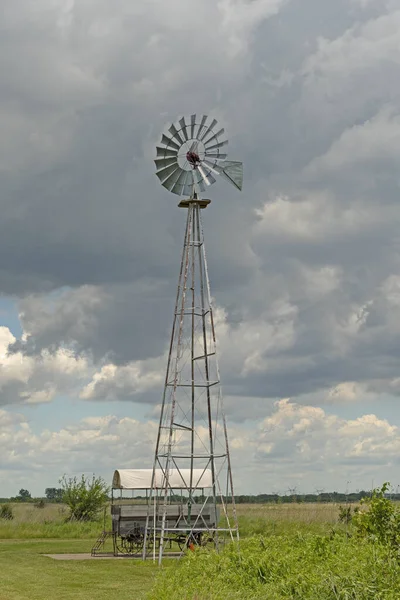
(26,574)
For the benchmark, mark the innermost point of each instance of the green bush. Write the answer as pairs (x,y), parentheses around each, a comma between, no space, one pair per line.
(380,522)
(6,512)
(84,497)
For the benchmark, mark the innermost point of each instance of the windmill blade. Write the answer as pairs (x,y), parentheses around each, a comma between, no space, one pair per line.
(209,129)
(202,126)
(216,155)
(169,143)
(183,128)
(161,163)
(194,146)
(173,179)
(192,125)
(215,146)
(214,137)
(163,174)
(164,152)
(189,185)
(175,134)
(180,183)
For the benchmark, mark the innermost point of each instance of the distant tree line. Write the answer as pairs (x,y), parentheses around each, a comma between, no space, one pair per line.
(50,494)
(323,497)
(58,494)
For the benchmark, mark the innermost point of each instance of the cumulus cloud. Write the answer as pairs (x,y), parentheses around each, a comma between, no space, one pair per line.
(95,444)
(241,17)
(124,382)
(301,442)
(315,436)
(292,446)
(33,380)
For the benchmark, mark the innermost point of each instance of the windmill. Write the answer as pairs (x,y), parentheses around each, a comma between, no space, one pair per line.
(192,442)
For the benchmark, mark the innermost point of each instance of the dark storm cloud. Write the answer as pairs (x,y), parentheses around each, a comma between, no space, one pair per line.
(123,324)
(83,92)
(309,93)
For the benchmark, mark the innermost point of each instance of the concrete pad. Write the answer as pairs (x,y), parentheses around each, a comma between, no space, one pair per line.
(85,556)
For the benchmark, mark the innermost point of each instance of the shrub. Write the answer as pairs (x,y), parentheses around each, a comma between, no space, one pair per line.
(381,521)
(346,515)
(84,497)
(40,503)
(6,512)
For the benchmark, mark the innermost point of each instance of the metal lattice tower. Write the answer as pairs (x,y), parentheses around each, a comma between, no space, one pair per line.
(192,439)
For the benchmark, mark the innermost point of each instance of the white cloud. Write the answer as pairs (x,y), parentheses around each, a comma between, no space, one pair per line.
(363,46)
(347,391)
(71,313)
(245,347)
(241,17)
(120,382)
(95,444)
(38,379)
(350,77)
(301,445)
(308,435)
(373,143)
(315,217)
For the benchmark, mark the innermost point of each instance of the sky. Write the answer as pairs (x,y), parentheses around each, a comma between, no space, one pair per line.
(304,263)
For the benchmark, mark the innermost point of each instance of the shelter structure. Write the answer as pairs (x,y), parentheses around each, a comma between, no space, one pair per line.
(130,506)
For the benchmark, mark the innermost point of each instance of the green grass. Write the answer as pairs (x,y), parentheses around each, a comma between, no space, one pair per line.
(288,552)
(290,567)
(26,531)
(26,573)
(49,522)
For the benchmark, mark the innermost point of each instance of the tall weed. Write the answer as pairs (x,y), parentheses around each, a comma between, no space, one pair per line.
(290,567)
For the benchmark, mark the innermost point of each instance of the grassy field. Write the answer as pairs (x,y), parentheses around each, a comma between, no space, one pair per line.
(26,573)
(287,550)
(32,523)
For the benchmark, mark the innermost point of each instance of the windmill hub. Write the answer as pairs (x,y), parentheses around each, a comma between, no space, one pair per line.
(191,155)
(193,158)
